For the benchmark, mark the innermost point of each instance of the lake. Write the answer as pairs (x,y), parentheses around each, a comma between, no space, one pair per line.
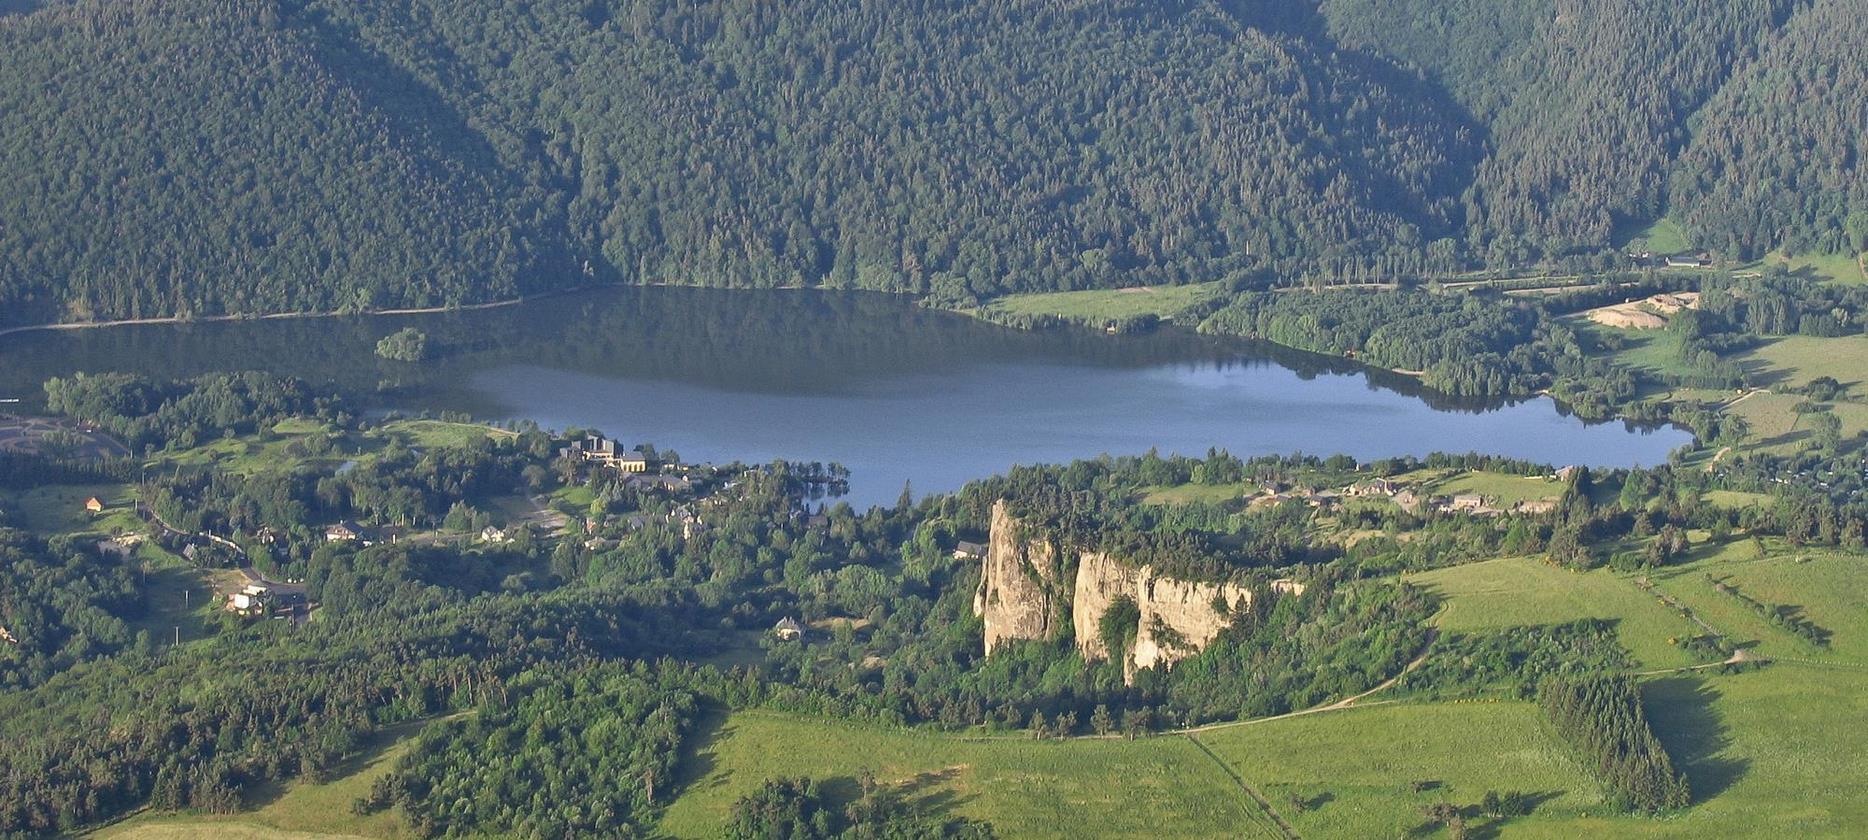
(896,393)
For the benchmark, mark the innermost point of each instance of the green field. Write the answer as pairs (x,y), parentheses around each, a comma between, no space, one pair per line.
(1654,351)
(1842,268)
(1103,305)
(1353,770)
(1523,591)
(1192,493)
(439,433)
(1155,787)
(1825,585)
(1664,236)
(1736,499)
(59,509)
(1792,361)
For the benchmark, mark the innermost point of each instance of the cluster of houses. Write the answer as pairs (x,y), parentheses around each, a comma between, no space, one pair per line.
(1405,496)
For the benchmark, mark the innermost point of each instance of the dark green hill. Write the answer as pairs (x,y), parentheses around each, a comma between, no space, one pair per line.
(195,156)
(202,157)
(1586,104)
(1776,157)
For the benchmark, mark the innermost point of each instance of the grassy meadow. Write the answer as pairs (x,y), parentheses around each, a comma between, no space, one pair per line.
(1102,305)
(1518,591)
(1792,361)
(1154,787)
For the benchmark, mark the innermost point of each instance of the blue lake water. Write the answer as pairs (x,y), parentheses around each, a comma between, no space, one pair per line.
(893,392)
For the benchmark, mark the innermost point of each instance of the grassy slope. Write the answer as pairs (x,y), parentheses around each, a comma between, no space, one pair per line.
(1157,787)
(59,509)
(1842,268)
(1108,304)
(1354,770)
(1792,361)
(1519,591)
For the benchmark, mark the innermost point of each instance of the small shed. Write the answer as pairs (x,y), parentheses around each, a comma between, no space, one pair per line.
(969,551)
(94,504)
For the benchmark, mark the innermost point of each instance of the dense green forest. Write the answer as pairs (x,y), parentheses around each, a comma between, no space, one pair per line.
(261,155)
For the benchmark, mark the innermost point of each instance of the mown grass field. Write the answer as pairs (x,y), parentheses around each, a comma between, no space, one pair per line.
(59,509)
(1842,268)
(1654,351)
(1664,236)
(1792,361)
(1520,591)
(1353,772)
(1737,499)
(1155,787)
(1108,304)
(440,433)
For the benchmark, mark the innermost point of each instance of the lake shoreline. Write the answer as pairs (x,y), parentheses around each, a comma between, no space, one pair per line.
(178,320)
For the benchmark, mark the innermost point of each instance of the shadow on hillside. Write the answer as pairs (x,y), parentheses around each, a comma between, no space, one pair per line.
(925,794)
(375,746)
(1681,713)
(698,760)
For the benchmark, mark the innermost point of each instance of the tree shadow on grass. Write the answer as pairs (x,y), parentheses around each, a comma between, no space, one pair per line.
(926,793)
(1681,713)
(698,758)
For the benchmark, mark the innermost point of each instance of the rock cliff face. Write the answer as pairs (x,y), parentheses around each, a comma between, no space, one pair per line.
(1016,583)
(1020,588)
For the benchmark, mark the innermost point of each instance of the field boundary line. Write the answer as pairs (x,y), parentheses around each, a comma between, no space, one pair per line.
(1264,805)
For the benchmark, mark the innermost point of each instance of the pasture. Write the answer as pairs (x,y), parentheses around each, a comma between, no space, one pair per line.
(1102,305)
(1154,787)
(1792,361)
(1519,591)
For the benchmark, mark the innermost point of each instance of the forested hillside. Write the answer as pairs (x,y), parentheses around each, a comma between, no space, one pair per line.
(1586,103)
(1776,157)
(204,157)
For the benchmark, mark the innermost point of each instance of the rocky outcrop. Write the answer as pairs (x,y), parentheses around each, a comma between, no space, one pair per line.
(1020,597)
(1017,583)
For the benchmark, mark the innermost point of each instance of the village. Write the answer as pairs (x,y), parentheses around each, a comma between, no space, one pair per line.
(245,581)
(1420,495)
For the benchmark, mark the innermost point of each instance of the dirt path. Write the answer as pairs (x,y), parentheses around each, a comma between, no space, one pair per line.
(1743,397)
(1336,706)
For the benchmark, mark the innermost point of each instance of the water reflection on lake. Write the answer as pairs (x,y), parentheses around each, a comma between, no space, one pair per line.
(894,392)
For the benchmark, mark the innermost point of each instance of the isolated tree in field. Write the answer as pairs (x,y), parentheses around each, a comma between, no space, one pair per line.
(1100,720)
